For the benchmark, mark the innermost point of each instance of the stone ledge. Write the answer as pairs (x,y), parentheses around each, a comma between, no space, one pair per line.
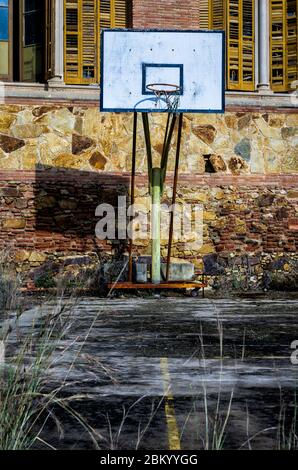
(31,93)
(112,178)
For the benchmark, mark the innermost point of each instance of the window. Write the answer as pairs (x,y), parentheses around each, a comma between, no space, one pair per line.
(5,39)
(283,43)
(25,43)
(237,18)
(83,21)
(32,41)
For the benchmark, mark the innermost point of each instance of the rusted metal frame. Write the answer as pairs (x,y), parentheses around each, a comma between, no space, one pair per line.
(164,162)
(132,187)
(162,285)
(174,195)
(148,147)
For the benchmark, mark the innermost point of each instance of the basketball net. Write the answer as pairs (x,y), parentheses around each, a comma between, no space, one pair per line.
(165,93)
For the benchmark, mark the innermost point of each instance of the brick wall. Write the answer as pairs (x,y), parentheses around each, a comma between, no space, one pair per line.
(250,223)
(173,14)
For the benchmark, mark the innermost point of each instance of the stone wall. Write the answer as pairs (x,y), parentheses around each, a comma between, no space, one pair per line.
(81,138)
(250,223)
(58,163)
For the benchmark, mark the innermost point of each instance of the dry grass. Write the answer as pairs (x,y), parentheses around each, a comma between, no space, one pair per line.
(10,282)
(25,405)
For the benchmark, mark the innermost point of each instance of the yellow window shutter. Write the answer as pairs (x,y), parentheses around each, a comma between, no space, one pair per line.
(113,13)
(240,44)
(204,14)
(217,15)
(283,43)
(121,14)
(233,44)
(248,45)
(83,21)
(80,41)
(88,41)
(72,63)
(105,16)
(292,43)
(278,44)
(237,18)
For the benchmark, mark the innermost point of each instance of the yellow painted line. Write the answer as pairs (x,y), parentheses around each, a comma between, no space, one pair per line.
(173,431)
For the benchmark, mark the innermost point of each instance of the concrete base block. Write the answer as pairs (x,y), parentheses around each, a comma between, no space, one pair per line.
(140,272)
(179,271)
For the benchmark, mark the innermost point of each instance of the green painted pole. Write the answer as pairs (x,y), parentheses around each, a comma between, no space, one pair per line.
(155,225)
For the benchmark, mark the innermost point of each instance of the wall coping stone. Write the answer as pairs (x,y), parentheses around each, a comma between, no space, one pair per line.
(55,93)
(281,180)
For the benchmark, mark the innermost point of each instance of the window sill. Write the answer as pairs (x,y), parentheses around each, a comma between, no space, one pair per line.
(59,93)
(52,92)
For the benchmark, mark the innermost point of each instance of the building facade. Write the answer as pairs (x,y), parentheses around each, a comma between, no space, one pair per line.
(60,157)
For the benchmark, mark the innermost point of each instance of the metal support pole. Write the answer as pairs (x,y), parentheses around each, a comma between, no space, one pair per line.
(132,187)
(174,195)
(166,150)
(155,225)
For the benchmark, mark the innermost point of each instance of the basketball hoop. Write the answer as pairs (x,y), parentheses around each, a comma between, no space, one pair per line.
(166,92)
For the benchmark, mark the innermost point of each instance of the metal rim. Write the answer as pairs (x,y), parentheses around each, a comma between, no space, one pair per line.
(154,88)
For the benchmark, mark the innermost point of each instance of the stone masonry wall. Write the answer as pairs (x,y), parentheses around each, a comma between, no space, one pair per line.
(83,139)
(250,223)
(58,163)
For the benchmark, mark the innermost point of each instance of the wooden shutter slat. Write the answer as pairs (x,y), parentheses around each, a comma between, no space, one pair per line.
(291,46)
(80,41)
(105,14)
(83,21)
(278,44)
(121,14)
(88,41)
(237,17)
(204,14)
(248,55)
(240,44)
(283,44)
(71,42)
(233,46)
(217,14)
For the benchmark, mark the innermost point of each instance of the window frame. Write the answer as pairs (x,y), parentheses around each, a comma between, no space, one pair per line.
(285,86)
(22,45)
(241,84)
(110,17)
(9,77)
(217,15)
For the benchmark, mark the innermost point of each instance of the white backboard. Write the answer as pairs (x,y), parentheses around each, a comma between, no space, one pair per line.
(132,59)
